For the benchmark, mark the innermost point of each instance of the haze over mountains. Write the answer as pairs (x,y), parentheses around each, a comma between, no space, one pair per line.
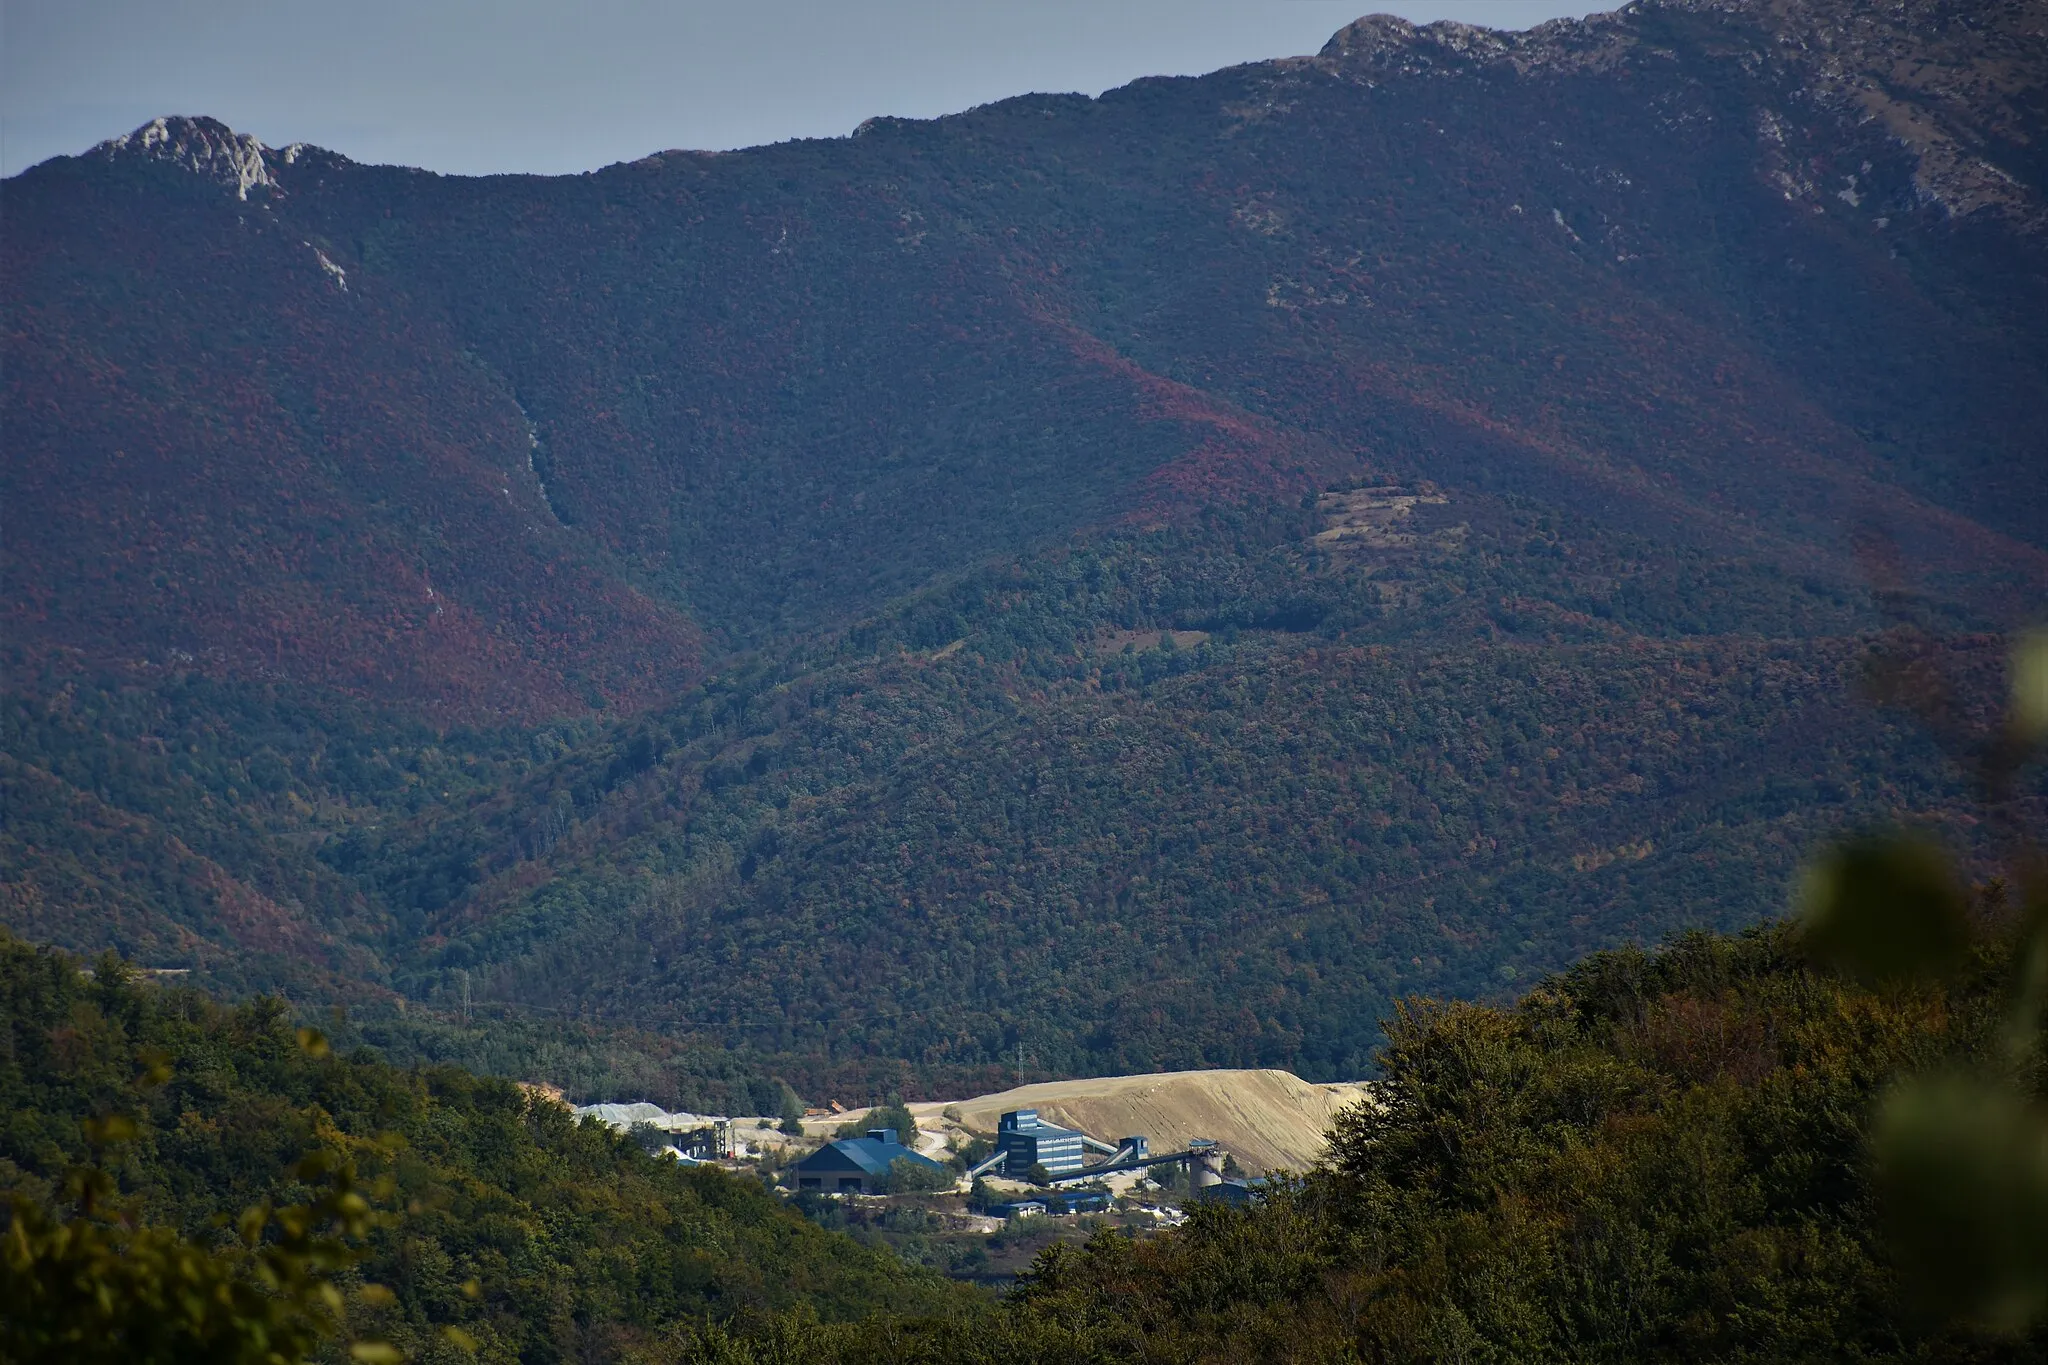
(1143,579)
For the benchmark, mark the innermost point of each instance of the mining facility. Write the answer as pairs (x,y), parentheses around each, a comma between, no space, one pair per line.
(1025,1141)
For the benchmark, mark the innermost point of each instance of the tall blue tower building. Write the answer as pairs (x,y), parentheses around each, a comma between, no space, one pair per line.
(1025,1140)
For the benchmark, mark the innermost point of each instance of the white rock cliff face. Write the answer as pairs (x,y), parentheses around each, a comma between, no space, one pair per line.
(203,146)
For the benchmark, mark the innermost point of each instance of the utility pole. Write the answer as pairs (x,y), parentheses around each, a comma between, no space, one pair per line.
(463,972)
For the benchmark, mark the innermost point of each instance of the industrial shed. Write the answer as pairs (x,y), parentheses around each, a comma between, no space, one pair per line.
(856,1165)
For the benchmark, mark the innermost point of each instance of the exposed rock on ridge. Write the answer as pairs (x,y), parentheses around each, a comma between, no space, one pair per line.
(209,148)
(204,146)
(1960,104)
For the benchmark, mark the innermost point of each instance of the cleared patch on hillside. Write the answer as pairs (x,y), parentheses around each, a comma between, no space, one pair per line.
(1375,519)
(1117,641)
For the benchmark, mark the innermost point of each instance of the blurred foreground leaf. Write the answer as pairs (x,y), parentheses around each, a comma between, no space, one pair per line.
(2030,686)
(1886,908)
(1962,1165)
(90,1284)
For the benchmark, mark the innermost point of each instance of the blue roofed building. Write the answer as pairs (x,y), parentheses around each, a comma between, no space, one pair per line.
(1236,1191)
(856,1165)
(1025,1141)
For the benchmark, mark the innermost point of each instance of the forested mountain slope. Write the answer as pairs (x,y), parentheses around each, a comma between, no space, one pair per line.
(724,593)
(1234,851)
(1680,264)
(539,1237)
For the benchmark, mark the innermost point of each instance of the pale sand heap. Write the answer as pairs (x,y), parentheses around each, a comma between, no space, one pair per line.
(1267,1120)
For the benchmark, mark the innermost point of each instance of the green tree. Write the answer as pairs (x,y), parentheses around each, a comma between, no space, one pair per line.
(916,1177)
(894,1115)
(792,1113)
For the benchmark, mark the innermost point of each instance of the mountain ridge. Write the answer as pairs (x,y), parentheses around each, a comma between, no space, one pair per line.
(1148,577)
(1037,292)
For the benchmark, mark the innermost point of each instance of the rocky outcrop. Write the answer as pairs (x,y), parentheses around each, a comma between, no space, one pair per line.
(204,146)
(209,148)
(1957,86)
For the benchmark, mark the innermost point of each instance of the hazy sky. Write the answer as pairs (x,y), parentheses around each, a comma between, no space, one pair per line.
(528,85)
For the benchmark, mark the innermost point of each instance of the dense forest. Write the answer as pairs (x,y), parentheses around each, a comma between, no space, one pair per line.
(1819,1139)
(1652,1156)
(986,821)
(1214,794)
(536,1237)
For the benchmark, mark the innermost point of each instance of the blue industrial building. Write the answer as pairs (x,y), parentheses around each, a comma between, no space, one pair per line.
(856,1165)
(1026,1141)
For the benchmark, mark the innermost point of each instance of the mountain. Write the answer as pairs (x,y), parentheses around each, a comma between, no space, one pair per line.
(1143,580)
